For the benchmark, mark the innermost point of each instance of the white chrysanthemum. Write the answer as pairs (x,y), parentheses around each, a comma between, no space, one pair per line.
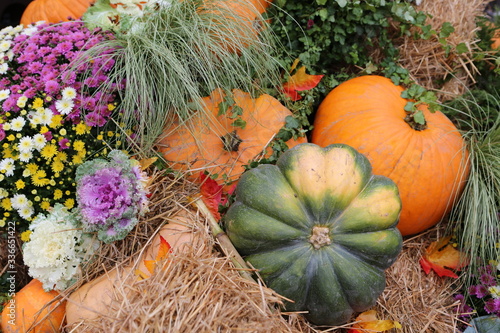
(56,249)
(17,123)
(4,94)
(6,30)
(4,68)
(46,115)
(39,141)
(10,55)
(494,291)
(20,201)
(7,166)
(25,156)
(5,45)
(64,106)
(68,93)
(35,118)
(3,193)
(21,101)
(26,212)
(26,144)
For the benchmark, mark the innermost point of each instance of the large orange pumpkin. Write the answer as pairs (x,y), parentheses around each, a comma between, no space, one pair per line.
(54,11)
(30,309)
(429,166)
(209,142)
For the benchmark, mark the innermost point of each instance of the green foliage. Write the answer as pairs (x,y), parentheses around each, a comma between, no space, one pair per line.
(487,60)
(351,37)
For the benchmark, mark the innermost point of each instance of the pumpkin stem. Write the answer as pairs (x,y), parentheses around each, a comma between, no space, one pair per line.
(320,237)
(231,141)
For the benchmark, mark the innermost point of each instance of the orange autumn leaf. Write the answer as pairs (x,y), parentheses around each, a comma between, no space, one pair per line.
(368,322)
(442,258)
(300,81)
(163,251)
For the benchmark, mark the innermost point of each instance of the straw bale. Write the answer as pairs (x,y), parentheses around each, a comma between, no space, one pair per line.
(429,65)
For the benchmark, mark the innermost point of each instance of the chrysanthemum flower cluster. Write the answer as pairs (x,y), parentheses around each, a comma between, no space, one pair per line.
(51,118)
(57,248)
(484,297)
(111,195)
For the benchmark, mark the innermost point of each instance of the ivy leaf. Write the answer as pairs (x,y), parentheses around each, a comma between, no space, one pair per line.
(442,258)
(300,81)
(239,123)
(368,321)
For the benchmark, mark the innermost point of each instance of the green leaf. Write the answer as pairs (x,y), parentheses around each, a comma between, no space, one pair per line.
(462,48)
(419,117)
(342,3)
(446,30)
(239,123)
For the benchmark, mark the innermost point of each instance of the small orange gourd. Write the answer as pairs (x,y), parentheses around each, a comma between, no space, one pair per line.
(429,166)
(209,142)
(94,298)
(30,309)
(54,11)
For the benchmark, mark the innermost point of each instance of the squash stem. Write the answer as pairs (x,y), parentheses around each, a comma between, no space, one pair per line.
(224,241)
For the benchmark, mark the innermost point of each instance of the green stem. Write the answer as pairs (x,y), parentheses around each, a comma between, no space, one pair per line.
(224,241)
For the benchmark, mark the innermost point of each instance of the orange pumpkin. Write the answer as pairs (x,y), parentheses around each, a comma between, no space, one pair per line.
(30,309)
(54,11)
(209,142)
(429,166)
(246,12)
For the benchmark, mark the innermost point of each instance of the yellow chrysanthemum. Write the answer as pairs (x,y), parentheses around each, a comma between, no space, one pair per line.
(6,204)
(25,235)
(20,184)
(62,156)
(78,145)
(58,194)
(56,121)
(45,205)
(2,223)
(77,159)
(8,153)
(48,151)
(69,203)
(32,168)
(57,165)
(82,128)
(44,129)
(100,137)
(111,107)
(37,103)
(11,137)
(39,179)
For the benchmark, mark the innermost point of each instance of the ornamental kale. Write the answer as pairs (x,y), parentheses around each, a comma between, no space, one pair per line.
(111,194)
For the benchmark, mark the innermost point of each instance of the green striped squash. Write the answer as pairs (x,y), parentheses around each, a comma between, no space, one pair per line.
(320,229)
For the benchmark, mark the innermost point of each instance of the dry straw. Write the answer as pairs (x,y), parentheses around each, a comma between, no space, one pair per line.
(427,61)
(200,290)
